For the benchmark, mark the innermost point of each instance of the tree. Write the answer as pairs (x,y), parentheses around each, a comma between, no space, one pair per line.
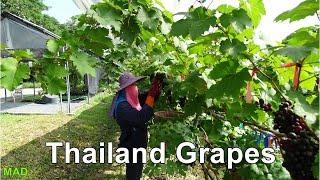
(32,11)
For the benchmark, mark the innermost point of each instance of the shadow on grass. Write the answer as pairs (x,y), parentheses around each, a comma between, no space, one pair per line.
(87,129)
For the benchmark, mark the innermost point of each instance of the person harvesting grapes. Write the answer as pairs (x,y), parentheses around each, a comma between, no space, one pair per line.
(132,111)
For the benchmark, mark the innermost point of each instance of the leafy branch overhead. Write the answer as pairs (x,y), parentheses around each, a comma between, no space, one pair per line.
(303,10)
(216,74)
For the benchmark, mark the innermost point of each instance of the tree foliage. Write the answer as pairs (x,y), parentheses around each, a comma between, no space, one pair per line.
(32,10)
(212,66)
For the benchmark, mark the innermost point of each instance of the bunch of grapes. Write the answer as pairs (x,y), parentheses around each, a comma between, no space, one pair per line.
(266,107)
(299,147)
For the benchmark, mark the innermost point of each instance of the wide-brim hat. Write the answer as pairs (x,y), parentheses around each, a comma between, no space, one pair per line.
(126,79)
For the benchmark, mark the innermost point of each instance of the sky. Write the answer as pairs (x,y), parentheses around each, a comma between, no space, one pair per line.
(267,31)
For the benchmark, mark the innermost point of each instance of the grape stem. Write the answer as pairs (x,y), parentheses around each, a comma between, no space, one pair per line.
(225,32)
(250,124)
(268,77)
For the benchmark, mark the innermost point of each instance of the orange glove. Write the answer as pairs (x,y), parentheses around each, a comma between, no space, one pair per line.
(154,90)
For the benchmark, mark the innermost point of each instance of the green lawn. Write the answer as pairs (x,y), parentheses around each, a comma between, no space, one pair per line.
(23,139)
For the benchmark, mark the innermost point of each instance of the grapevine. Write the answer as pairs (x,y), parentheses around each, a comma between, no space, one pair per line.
(207,56)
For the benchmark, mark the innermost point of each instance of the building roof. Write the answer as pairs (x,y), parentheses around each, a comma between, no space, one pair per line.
(19,33)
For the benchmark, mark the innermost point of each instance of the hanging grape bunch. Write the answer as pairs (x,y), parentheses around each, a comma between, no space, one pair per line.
(266,107)
(299,147)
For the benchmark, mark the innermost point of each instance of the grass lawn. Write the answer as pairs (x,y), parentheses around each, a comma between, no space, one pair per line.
(23,139)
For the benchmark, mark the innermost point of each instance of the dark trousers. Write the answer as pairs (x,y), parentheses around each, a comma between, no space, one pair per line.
(134,170)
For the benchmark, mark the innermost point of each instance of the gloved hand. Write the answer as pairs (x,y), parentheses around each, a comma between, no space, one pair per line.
(156,85)
(154,91)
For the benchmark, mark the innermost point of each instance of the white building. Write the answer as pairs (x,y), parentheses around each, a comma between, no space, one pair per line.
(84,5)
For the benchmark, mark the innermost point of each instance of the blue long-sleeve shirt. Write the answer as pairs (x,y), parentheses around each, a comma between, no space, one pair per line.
(133,123)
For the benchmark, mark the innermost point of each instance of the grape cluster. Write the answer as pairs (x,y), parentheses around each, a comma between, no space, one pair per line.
(266,107)
(299,147)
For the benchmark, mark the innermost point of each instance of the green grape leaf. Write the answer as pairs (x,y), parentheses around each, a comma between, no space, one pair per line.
(304,9)
(180,28)
(195,83)
(229,85)
(19,54)
(52,46)
(255,10)
(165,27)
(307,78)
(107,14)
(214,134)
(197,22)
(296,53)
(225,8)
(84,63)
(55,71)
(302,36)
(13,73)
(303,108)
(223,69)
(99,34)
(251,171)
(97,40)
(193,106)
(244,111)
(232,48)
(198,27)
(148,19)
(52,78)
(56,86)
(129,30)
(238,19)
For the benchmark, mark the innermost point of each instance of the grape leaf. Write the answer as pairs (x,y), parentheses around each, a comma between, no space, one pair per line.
(296,53)
(195,83)
(52,46)
(198,27)
(19,54)
(302,36)
(232,48)
(13,73)
(238,19)
(225,8)
(304,9)
(302,108)
(97,40)
(106,14)
(55,70)
(84,63)
(197,22)
(244,111)
(52,79)
(229,85)
(129,30)
(193,106)
(165,27)
(229,67)
(148,19)
(180,28)
(255,10)
(56,86)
